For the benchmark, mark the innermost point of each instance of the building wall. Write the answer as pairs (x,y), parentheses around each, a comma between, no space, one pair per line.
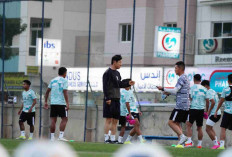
(206,16)
(149,13)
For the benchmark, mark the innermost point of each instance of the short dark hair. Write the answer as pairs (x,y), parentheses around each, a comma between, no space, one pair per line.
(181,64)
(127,81)
(205,83)
(62,71)
(230,78)
(27,82)
(197,77)
(116,58)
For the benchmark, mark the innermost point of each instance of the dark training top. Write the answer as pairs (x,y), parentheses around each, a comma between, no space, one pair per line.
(112,84)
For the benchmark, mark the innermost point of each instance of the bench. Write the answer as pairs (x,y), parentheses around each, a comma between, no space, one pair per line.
(150,138)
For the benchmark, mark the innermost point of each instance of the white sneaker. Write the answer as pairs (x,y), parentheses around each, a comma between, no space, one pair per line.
(62,139)
(182,140)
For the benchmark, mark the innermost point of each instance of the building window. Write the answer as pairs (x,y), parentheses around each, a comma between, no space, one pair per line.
(170,25)
(222,29)
(36,32)
(125,33)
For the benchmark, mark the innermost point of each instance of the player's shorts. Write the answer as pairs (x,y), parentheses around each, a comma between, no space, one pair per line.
(178,115)
(122,120)
(29,117)
(226,121)
(135,115)
(112,110)
(196,115)
(58,111)
(211,121)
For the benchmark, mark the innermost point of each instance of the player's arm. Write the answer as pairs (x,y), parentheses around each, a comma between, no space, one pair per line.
(219,106)
(212,105)
(106,79)
(46,98)
(128,108)
(66,99)
(20,110)
(33,105)
(123,84)
(207,105)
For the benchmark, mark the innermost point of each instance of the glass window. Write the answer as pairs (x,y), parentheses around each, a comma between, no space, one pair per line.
(170,24)
(227,29)
(125,32)
(217,29)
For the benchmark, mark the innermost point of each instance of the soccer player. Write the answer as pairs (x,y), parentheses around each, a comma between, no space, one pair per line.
(196,112)
(226,123)
(212,96)
(59,103)
(180,113)
(111,103)
(128,107)
(27,110)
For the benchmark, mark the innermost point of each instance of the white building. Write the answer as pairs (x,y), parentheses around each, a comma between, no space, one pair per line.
(214,33)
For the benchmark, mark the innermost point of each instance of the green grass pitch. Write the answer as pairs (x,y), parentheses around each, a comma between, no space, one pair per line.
(106,150)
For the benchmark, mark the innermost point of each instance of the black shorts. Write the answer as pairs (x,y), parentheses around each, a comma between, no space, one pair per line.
(58,111)
(178,115)
(196,115)
(122,120)
(135,115)
(226,121)
(112,110)
(211,121)
(29,117)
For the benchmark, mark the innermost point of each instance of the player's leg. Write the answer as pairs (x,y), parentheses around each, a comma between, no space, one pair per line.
(200,136)
(107,126)
(53,127)
(192,116)
(130,136)
(222,138)
(178,116)
(211,121)
(210,132)
(31,123)
(225,124)
(113,130)
(22,119)
(175,127)
(64,120)
(107,115)
(53,118)
(122,122)
(199,121)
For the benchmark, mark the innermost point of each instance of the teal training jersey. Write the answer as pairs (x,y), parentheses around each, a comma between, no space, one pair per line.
(212,95)
(57,86)
(228,104)
(28,97)
(127,96)
(198,95)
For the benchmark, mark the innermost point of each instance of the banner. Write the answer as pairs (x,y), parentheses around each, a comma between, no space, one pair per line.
(167,42)
(14,81)
(217,76)
(146,78)
(51,52)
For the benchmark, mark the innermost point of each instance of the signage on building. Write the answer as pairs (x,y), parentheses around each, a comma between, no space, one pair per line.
(167,42)
(51,52)
(14,81)
(146,78)
(32,70)
(218,76)
(223,59)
